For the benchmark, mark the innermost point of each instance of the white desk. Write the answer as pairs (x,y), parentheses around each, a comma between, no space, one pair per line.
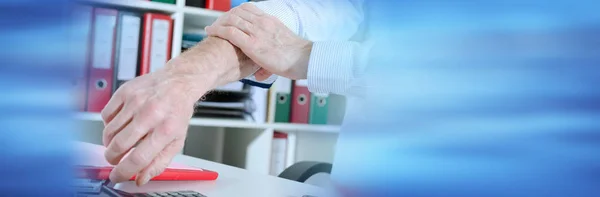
(232,181)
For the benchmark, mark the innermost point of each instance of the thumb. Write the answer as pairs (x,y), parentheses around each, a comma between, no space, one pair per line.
(160,163)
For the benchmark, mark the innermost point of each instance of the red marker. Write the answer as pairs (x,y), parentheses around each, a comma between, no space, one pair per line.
(170,174)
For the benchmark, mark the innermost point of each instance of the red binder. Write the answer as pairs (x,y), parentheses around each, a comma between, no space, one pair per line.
(101,66)
(300,102)
(221,5)
(170,174)
(156,42)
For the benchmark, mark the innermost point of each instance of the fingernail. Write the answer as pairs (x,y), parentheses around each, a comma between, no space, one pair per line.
(145,179)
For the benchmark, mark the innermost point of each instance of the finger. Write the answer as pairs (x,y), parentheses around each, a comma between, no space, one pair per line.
(235,20)
(244,15)
(132,133)
(141,156)
(111,109)
(232,34)
(160,163)
(262,74)
(249,7)
(112,129)
(124,141)
(122,119)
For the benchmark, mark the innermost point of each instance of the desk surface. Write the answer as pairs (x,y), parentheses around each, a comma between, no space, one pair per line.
(232,181)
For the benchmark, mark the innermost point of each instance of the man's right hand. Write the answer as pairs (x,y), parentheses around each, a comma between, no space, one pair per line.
(153,111)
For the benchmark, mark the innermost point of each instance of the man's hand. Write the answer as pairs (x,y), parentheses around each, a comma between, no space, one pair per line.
(264,39)
(153,111)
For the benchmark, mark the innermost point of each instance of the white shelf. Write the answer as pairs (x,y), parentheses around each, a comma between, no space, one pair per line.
(199,17)
(202,12)
(192,12)
(215,122)
(135,4)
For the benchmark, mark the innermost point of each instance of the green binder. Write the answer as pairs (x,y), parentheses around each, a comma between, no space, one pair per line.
(318,109)
(283,90)
(165,1)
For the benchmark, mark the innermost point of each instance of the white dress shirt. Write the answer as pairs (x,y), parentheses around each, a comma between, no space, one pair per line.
(335,62)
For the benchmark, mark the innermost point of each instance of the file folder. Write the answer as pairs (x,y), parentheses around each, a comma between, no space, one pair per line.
(318,109)
(102,64)
(220,5)
(300,102)
(83,34)
(127,47)
(196,3)
(278,153)
(156,42)
(283,90)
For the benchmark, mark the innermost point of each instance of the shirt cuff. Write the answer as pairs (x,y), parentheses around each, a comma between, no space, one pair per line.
(267,83)
(330,67)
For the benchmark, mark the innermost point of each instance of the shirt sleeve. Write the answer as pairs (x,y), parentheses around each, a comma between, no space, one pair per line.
(336,66)
(314,20)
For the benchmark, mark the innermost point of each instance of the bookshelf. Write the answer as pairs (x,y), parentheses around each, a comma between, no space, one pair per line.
(155,6)
(134,4)
(240,124)
(234,142)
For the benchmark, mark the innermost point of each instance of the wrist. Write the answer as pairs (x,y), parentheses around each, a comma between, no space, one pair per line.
(190,77)
(299,68)
(217,60)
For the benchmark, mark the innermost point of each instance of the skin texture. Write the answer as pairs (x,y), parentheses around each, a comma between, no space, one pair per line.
(264,39)
(152,112)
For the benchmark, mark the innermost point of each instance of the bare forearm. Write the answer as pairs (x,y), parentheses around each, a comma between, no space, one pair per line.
(211,63)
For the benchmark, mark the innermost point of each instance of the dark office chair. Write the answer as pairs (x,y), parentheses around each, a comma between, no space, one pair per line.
(304,170)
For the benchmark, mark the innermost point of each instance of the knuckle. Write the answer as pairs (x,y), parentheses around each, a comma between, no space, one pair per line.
(126,87)
(136,100)
(137,130)
(246,6)
(153,111)
(251,28)
(153,106)
(252,42)
(104,114)
(138,159)
(265,20)
(119,145)
(235,10)
(228,19)
(230,31)
(123,90)
(167,129)
(109,129)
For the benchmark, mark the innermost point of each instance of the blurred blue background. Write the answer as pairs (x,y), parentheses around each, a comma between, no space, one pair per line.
(35,103)
(476,98)
(469,98)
